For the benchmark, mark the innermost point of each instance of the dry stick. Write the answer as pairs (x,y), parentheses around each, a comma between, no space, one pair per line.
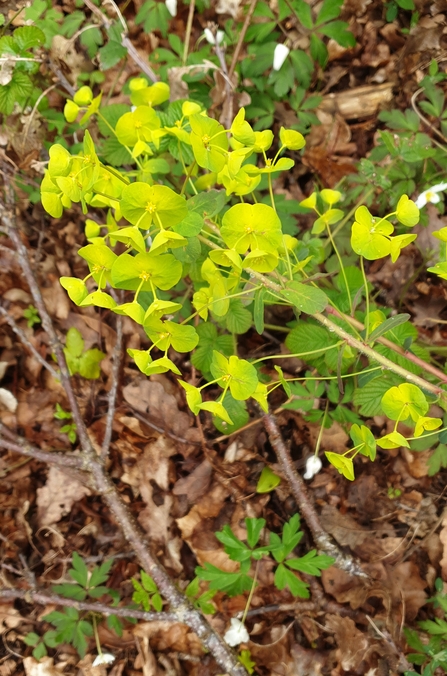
(244,29)
(21,334)
(125,42)
(298,487)
(102,483)
(116,358)
(44,456)
(355,343)
(429,368)
(44,598)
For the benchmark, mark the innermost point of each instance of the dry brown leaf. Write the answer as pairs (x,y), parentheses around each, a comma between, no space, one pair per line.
(149,396)
(57,497)
(352,643)
(43,667)
(196,484)
(169,636)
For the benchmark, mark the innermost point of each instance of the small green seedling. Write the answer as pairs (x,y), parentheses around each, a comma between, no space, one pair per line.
(70,428)
(32,316)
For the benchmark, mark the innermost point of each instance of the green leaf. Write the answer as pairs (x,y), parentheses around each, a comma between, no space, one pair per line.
(79,572)
(111,114)
(27,37)
(407,212)
(70,591)
(285,578)
(243,378)
(113,51)
(209,142)
(311,563)
(232,584)
(238,319)
(100,573)
(74,344)
(254,528)
(393,440)
(89,364)
(387,325)
(305,297)
(267,481)
(403,402)
(142,205)
(31,639)
(343,464)
(75,288)
(237,411)
(18,89)
(235,548)
(363,440)
(256,226)
(39,651)
(308,338)
(369,236)
(128,272)
(437,460)
(369,396)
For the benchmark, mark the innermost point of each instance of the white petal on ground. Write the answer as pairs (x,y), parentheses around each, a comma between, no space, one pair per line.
(236,634)
(313,466)
(8,400)
(103,658)
(280,55)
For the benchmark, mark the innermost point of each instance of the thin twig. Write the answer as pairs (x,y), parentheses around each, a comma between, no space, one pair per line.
(322,539)
(244,29)
(24,448)
(125,42)
(44,598)
(116,364)
(23,338)
(429,368)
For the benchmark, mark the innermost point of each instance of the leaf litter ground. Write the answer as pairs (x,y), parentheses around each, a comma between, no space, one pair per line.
(182,486)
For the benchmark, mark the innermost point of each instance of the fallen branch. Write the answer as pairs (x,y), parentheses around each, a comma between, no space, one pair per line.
(46,598)
(323,540)
(101,481)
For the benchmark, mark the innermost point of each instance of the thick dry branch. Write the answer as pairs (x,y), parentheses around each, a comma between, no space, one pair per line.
(322,539)
(19,445)
(102,483)
(47,598)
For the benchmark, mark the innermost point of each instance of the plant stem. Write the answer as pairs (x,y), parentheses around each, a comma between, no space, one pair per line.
(192,6)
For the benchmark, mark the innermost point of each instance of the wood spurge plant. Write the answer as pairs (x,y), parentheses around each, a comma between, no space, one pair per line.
(202,256)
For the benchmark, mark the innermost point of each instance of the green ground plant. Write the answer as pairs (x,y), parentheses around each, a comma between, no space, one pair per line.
(201,266)
(430,645)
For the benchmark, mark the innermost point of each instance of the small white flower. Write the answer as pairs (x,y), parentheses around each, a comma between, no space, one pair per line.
(103,658)
(236,634)
(430,195)
(280,55)
(313,466)
(209,36)
(171,6)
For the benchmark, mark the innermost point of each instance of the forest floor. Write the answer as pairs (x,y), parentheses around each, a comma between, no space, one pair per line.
(183,480)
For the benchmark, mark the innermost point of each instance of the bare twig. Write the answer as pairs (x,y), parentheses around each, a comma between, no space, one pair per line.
(114,388)
(44,598)
(21,446)
(125,42)
(429,368)
(240,41)
(322,539)
(23,338)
